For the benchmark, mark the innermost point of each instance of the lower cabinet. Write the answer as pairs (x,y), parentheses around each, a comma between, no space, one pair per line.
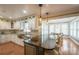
(30,50)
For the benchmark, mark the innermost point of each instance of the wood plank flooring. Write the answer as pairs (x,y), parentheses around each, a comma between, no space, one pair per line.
(69,47)
(11,48)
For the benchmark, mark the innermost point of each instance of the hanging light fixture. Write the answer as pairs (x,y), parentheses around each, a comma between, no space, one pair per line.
(47,17)
(40,19)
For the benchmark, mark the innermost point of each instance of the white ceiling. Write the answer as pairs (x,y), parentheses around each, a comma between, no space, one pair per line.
(17,10)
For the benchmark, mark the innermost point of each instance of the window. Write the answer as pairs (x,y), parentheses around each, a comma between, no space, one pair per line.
(74,31)
(71,29)
(57,28)
(17,25)
(29,22)
(78,30)
(51,31)
(64,28)
(51,28)
(21,25)
(26,27)
(44,31)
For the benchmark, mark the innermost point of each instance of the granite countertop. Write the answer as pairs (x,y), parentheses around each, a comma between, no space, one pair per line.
(9,31)
(49,44)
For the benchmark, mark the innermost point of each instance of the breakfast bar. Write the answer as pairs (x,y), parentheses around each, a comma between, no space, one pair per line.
(40,48)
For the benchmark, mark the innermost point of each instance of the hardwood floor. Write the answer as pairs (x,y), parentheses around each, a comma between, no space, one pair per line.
(69,47)
(11,48)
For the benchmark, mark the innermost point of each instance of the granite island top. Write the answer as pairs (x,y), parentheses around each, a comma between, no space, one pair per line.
(49,44)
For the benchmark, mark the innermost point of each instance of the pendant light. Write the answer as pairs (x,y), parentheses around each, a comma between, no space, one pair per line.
(47,17)
(40,19)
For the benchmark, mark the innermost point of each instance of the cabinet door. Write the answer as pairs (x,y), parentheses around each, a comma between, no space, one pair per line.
(30,50)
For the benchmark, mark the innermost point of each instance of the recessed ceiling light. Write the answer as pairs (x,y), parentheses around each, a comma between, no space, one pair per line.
(24,11)
(1,16)
(10,17)
(18,16)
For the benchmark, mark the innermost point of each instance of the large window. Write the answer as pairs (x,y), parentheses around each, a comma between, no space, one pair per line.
(26,27)
(78,30)
(29,23)
(67,26)
(75,29)
(64,28)
(71,29)
(51,28)
(57,28)
(21,25)
(44,31)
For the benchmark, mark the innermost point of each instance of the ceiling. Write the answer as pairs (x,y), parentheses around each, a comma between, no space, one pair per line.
(13,11)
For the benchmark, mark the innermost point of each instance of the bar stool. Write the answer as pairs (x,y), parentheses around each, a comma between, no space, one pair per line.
(58,44)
